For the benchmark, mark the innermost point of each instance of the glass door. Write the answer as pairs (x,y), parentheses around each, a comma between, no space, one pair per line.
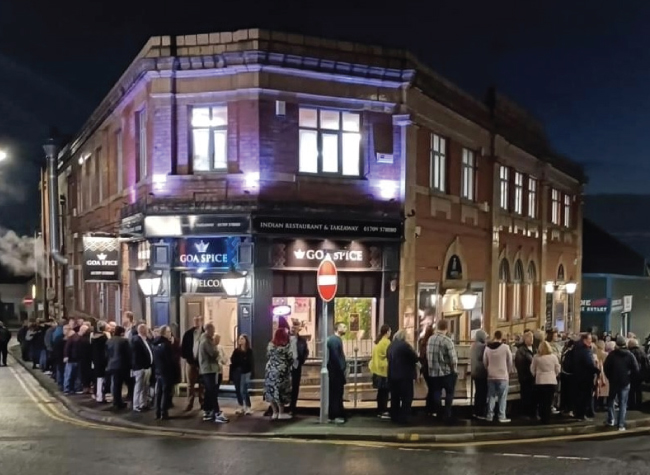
(360,316)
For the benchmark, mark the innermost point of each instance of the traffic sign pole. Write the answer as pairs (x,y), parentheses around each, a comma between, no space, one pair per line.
(327,283)
(324,374)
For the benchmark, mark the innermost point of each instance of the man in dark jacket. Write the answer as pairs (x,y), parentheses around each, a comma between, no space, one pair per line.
(119,365)
(163,356)
(337,367)
(479,374)
(621,368)
(585,370)
(5,336)
(85,358)
(71,381)
(189,352)
(300,352)
(402,371)
(636,393)
(523,360)
(22,339)
(142,361)
(98,341)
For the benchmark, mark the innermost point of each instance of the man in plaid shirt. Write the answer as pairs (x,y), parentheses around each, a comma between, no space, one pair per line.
(443,368)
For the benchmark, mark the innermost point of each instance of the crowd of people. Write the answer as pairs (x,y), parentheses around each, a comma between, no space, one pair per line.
(101,359)
(574,375)
(571,374)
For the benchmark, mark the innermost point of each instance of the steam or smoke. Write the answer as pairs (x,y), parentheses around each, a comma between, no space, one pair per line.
(21,255)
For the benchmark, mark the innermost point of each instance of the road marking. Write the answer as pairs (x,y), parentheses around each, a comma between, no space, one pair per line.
(55,410)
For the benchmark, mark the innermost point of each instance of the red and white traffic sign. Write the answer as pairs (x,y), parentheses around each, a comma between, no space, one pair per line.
(327,279)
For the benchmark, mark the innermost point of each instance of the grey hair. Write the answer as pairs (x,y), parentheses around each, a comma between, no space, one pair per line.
(400,335)
(632,343)
(101,326)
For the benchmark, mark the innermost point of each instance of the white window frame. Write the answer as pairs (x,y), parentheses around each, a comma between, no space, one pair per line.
(519,193)
(504,278)
(532,197)
(90,179)
(468,175)
(141,144)
(119,159)
(504,187)
(217,156)
(438,163)
(351,166)
(531,277)
(99,177)
(556,206)
(567,211)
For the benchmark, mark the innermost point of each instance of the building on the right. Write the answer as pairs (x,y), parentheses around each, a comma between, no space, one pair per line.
(616,285)
(493,219)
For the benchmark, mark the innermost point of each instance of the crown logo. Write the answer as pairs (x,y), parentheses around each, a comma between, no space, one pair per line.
(101,256)
(201,246)
(299,253)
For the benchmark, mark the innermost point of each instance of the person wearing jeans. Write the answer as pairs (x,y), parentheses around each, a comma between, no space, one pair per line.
(545,368)
(209,368)
(443,368)
(498,362)
(71,381)
(620,368)
(241,367)
(379,368)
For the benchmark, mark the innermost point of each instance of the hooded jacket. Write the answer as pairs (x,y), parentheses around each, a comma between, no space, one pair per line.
(476,356)
(620,367)
(498,361)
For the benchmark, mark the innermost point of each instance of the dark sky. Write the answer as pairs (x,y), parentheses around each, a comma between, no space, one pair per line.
(583,72)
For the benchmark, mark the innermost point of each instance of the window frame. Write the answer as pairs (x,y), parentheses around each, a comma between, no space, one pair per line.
(532,197)
(504,187)
(438,163)
(119,160)
(567,211)
(518,185)
(340,135)
(531,279)
(211,142)
(468,175)
(504,281)
(556,206)
(141,165)
(517,287)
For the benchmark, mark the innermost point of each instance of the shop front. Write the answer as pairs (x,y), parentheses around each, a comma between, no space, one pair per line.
(287,254)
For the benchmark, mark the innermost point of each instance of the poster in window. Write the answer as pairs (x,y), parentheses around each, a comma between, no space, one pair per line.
(427,302)
(354,322)
(476,314)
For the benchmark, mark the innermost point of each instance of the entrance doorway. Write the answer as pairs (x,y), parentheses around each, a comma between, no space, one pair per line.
(221,312)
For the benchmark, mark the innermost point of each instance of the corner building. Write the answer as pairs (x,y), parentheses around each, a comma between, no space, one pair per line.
(262,151)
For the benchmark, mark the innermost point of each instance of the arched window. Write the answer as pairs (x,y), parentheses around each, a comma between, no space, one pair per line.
(531,278)
(504,278)
(517,281)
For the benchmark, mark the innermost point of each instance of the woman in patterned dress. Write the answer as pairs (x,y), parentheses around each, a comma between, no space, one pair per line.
(277,381)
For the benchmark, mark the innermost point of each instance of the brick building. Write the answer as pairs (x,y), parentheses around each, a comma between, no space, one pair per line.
(262,151)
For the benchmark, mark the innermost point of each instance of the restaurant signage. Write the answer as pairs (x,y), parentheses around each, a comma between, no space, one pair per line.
(308,254)
(101,259)
(327,227)
(195,225)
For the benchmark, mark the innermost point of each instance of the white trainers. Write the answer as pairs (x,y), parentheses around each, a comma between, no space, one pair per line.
(284,416)
(240,410)
(248,411)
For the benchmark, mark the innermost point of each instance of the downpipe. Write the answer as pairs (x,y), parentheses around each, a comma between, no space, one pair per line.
(51,155)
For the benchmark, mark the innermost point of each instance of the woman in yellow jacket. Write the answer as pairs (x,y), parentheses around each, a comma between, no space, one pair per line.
(379,369)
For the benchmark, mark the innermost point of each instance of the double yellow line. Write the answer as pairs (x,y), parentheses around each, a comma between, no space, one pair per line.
(53,409)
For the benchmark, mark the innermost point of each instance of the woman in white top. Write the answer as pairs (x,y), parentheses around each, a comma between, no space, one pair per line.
(545,368)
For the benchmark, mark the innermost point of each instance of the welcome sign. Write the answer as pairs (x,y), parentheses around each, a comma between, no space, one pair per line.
(101,259)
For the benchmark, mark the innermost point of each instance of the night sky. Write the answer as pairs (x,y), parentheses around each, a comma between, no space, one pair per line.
(583,72)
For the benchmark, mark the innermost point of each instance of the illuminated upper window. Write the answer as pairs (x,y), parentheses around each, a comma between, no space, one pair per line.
(330,142)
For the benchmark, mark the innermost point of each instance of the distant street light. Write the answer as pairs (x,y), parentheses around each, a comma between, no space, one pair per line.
(3,155)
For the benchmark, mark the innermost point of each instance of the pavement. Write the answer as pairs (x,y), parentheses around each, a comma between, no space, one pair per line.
(362,425)
(38,434)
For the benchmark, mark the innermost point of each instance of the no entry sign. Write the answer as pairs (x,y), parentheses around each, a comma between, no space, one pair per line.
(327,279)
